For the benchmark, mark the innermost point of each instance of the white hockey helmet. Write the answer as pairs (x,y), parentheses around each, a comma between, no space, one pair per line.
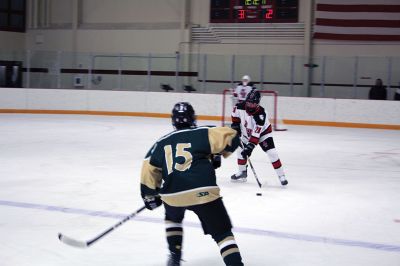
(245,80)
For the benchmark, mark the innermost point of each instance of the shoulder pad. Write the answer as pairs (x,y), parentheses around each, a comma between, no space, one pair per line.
(260,117)
(241,105)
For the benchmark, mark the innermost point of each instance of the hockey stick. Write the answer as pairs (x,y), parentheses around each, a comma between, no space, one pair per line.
(251,166)
(254,172)
(84,244)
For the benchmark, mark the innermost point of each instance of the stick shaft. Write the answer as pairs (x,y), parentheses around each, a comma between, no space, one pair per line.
(106,232)
(254,172)
(85,244)
(251,166)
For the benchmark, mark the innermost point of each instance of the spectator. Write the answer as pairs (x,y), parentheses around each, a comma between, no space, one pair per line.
(378,91)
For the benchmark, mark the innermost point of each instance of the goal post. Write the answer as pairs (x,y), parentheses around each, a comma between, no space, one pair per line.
(269,101)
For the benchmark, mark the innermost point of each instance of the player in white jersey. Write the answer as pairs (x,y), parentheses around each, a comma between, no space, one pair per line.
(251,121)
(243,88)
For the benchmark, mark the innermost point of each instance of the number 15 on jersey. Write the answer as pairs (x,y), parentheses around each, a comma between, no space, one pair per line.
(180,152)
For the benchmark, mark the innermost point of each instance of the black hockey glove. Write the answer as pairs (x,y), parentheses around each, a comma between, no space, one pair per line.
(236,126)
(152,202)
(248,149)
(216,161)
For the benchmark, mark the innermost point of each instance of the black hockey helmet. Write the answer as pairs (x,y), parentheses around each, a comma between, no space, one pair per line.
(253,101)
(183,116)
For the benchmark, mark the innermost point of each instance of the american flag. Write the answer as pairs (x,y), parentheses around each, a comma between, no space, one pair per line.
(362,20)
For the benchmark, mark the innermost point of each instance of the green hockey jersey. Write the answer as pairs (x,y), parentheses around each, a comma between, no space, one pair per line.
(178,165)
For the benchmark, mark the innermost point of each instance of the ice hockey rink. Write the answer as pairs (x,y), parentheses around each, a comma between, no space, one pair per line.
(79,175)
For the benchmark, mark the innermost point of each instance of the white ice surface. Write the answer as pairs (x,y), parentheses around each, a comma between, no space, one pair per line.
(344,184)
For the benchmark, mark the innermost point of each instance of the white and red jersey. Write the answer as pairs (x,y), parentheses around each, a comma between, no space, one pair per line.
(255,128)
(241,91)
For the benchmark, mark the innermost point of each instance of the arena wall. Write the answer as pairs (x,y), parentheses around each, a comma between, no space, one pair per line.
(292,110)
(154,26)
(12,41)
(122,26)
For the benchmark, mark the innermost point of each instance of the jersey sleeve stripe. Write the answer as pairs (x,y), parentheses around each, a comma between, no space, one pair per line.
(191,197)
(254,140)
(235,119)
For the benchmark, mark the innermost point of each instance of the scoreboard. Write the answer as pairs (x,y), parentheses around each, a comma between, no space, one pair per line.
(254,11)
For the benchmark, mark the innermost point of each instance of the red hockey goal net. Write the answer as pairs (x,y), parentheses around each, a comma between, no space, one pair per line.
(269,101)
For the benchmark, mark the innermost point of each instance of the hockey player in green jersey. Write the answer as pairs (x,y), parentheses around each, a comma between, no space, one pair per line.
(179,172)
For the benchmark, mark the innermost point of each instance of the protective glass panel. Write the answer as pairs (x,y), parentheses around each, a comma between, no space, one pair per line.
(105,71)
(394,77)
(248,65)
(299,72)
(318,68)
(339,77)
(43,69)
(74,71)
(189,68)
(216,73)
(134,72)
(164,72)
(370,69)
(277,74)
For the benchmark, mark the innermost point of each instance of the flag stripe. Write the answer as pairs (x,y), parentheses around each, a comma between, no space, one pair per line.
(356,37)
(357,20)
(358,15)
(357,30)
(358,8)
(358,23)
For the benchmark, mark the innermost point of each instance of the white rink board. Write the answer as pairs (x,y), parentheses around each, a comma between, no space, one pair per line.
(292,108)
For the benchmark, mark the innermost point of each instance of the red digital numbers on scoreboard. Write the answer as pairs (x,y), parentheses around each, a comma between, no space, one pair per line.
(269,14)
(242,14)
(254,11)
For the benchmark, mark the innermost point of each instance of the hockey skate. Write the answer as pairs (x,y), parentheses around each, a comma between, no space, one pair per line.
(240,176)
(174,259)
(283,180)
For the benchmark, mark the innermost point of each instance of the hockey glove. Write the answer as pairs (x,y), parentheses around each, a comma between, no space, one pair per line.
(216,161)
(248,149)
(152,202)
(236,126)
